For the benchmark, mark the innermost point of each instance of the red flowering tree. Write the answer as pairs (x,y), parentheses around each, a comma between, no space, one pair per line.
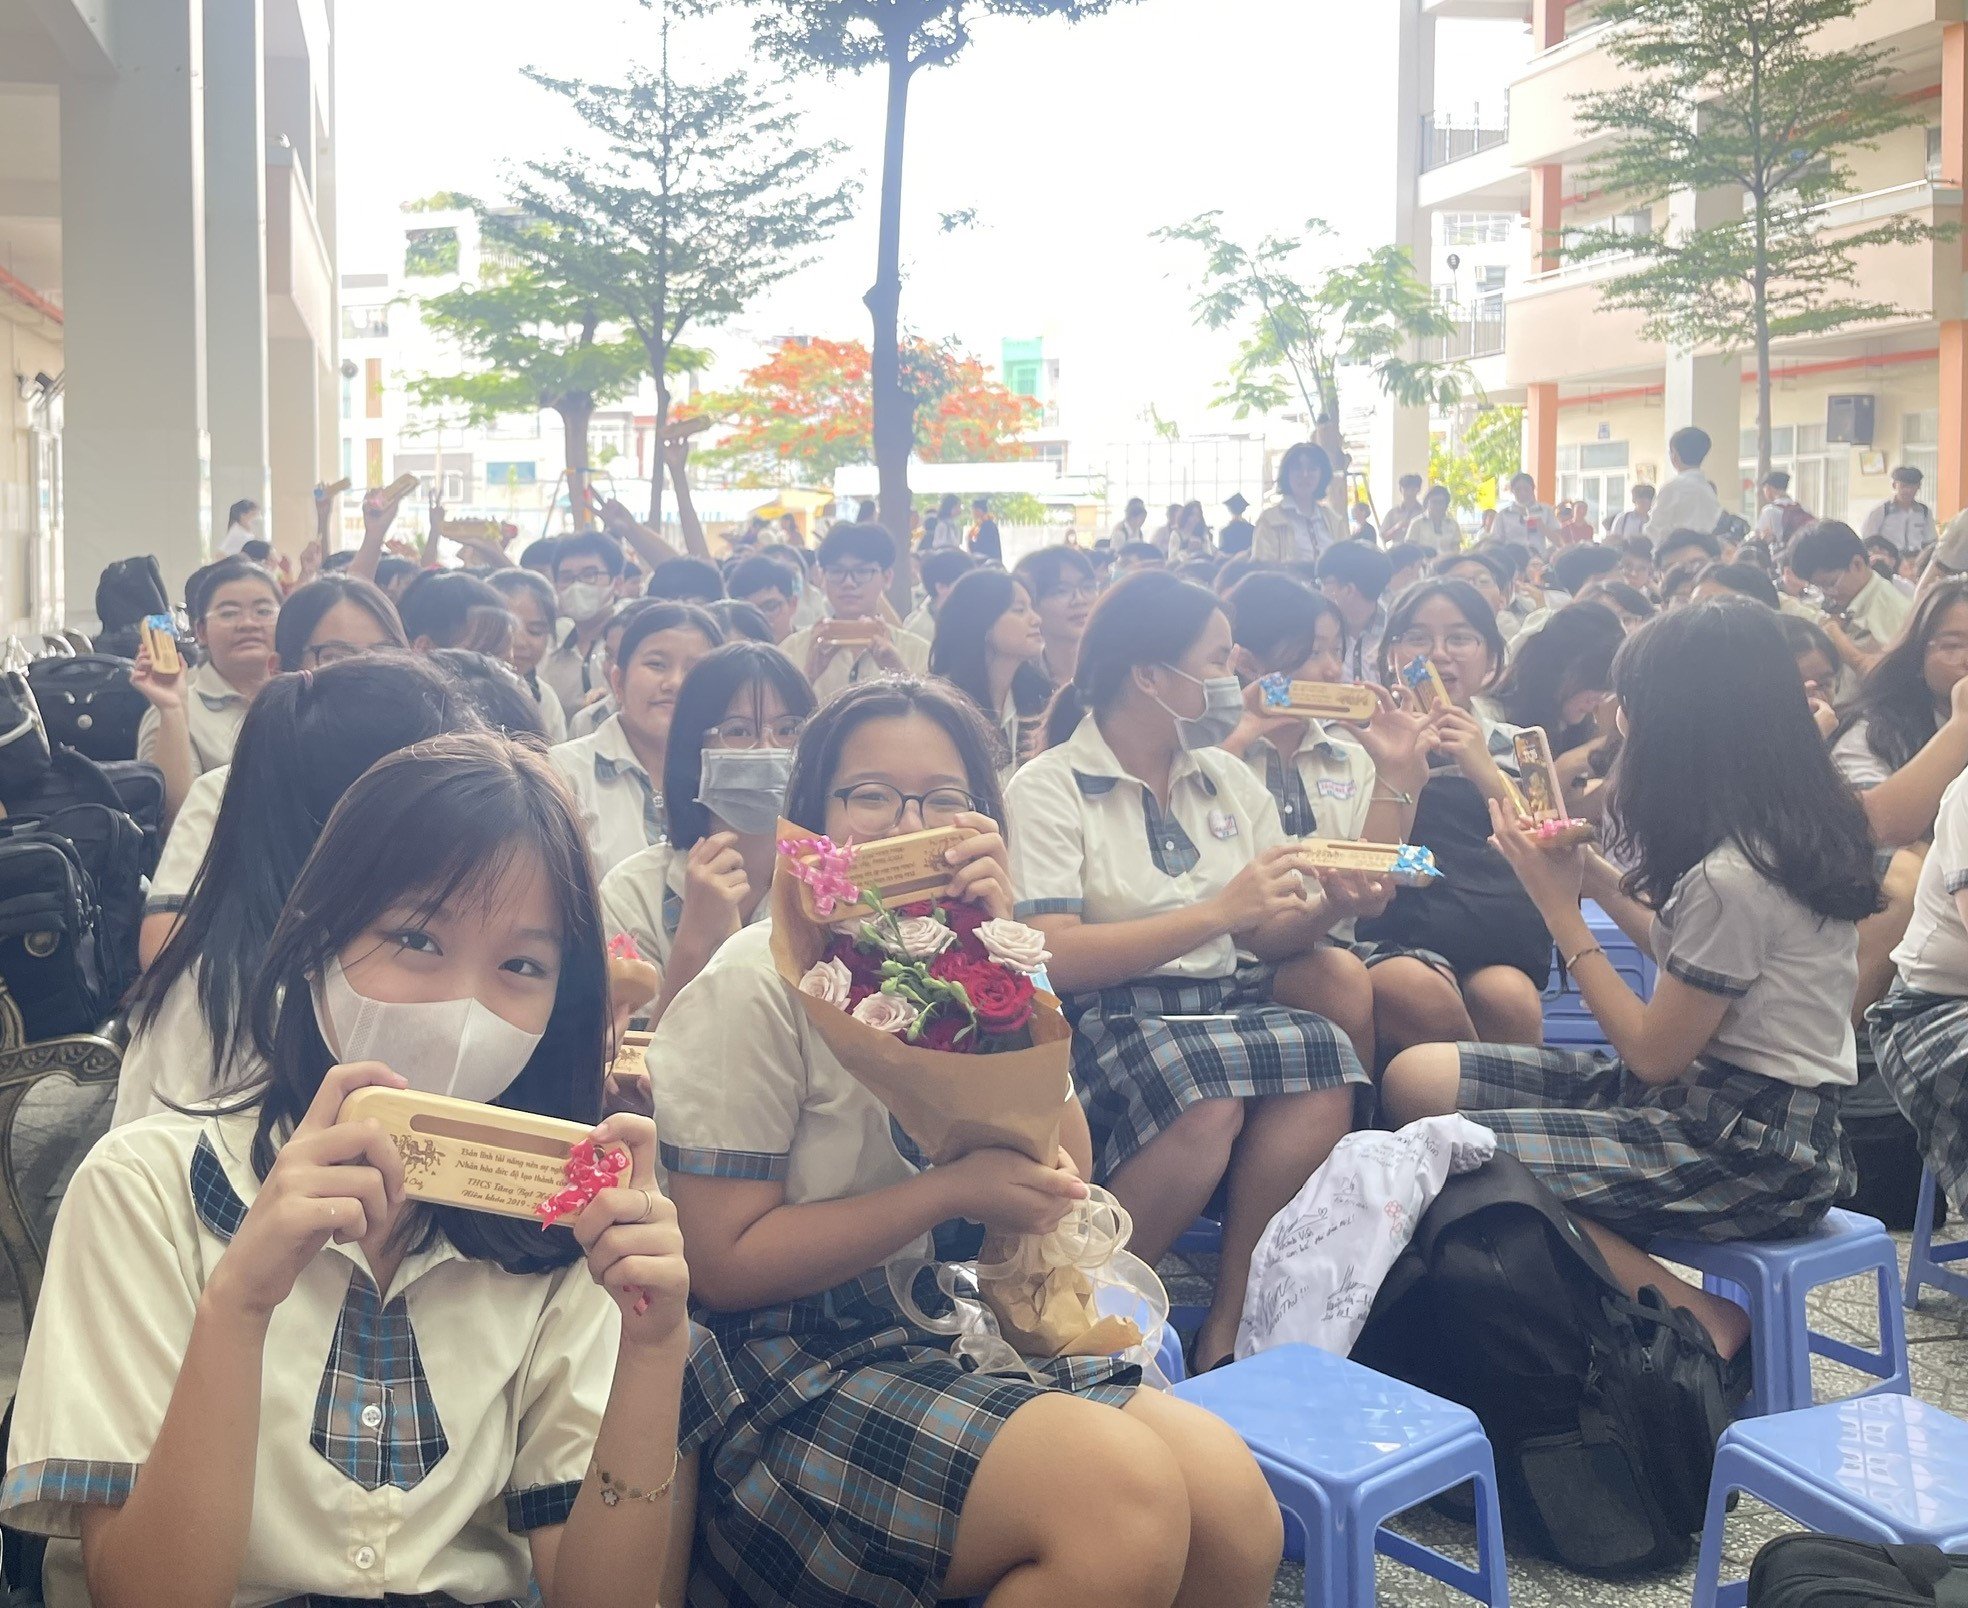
(808,411)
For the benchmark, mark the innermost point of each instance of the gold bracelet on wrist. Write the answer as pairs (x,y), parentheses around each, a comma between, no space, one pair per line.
(614,1491)
(1572,961)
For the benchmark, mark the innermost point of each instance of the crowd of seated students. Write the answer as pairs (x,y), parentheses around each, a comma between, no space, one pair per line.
(411,807)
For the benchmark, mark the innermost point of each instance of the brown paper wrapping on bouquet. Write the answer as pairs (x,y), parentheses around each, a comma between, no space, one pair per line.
(952,1104)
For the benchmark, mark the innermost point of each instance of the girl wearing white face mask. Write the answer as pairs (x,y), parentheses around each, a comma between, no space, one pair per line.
(1152,860)
(490,1410)
(738,714)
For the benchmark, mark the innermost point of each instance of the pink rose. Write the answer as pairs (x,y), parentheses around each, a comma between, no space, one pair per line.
(1014,946)
(829,982)
(886,1013)
(919,937)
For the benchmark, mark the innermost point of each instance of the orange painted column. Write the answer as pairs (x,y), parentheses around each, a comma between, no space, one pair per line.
(1541,438)
(1547,23)
(1547,215)
(1951,495)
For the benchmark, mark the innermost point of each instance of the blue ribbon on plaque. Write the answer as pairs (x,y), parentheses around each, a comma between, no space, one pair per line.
(1415,861)
(1276,690)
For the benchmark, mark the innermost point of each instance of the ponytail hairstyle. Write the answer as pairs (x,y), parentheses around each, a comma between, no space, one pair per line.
(1151,617)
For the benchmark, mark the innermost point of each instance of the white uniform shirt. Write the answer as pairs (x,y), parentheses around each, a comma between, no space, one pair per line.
(643,897)
(1853,758)
(1909,529)
(1532,524)
(1630,523)
(185,845)
(552,715)
(170,1060)
(1686,502)
(214,712)
(1878,612)
(845,669)
(1093,841)
(572,673)
(452,1415)
(621,806)
(1324,790)
(1933,956)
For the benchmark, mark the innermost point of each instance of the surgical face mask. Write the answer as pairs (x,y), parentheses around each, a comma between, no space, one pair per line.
(745,787)
(453,1046)
(583,600)
(1223,707)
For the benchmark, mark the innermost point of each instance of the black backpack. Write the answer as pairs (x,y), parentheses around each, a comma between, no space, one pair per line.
(1825,1571)
(1603,1411)
(50,950)
(88,703)
(128,589)
(24,754)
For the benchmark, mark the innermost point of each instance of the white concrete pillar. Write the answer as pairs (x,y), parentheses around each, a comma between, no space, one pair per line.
(295,388)
(235,255)
(1400,440)
(1703,389)
(136,452)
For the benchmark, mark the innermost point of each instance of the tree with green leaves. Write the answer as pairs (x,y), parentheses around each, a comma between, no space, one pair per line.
(904,37)
(532,342)
(1737,96)
(1296,336)
(1492,450)
(701,198)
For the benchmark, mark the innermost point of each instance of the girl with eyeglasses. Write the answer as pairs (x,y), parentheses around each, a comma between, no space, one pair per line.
(1152,860)
(863,1462)
(1477,915)
(1063,585)
(195,714)
(332,618)
(738,714)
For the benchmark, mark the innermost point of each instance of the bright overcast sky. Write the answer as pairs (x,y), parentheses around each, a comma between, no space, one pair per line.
(1071,143)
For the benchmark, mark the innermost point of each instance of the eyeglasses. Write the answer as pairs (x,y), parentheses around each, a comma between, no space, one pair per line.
(317,654)
(741,733)
(853,575)
(592,575)
(236,613)
(875,807)
(1084,592)
(1456,641)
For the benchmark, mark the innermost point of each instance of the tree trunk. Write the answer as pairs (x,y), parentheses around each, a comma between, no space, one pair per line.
(894,408)
(575,410)
(1326,433)
(1762,391)
(659,465)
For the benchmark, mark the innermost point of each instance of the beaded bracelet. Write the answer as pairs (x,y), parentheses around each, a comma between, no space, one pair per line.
(613,1492)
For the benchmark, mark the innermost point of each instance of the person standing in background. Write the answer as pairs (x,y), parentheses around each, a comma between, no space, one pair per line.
(947,531)
(244,524)
(1235,537)
(1169,536)
(1524,519)
(1435,526)
(1133,525)
(1903,519)
(1781,516)
(1297,527)
(1394,528)
(1688,501)
(1634,521)
(1363,527)
(984,539)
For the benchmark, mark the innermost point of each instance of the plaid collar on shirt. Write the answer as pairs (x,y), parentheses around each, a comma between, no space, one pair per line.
(1097,771)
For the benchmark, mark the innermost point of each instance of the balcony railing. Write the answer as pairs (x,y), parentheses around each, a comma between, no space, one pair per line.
(1448,139)
(1476,334)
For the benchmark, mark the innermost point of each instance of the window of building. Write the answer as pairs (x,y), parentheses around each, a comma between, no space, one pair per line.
(1597,472)
(429,253)
(373,463)
(348,458)
(510,474)
(365,323)
(348,396)
(1820,471)
(1934,155)
(1475,228)
(372,388)
(1920,443)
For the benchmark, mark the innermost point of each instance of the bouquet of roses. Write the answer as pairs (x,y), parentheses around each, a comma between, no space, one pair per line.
(941,1015)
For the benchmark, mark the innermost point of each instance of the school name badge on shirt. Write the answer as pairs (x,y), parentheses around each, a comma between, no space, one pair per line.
(1222,825)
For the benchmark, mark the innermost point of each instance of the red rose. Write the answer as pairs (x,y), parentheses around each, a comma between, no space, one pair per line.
(940,1033)
(1002,999)
(965,919)
(922,907)
(864,965)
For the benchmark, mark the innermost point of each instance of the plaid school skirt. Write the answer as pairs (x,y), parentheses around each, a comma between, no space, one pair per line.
(1721,1154)
(1921,1044)
(839,1479)
(1144,1052)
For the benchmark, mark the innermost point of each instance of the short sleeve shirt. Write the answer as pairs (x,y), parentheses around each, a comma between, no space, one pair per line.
(1909,529)
(408,1439)
(1933,956)
(1853,758)
(1092,841)
(1788,973)
(643,897)
(620,806)
(185,845)
(846,669)
(214,712)
(1325,789)
(1878,612)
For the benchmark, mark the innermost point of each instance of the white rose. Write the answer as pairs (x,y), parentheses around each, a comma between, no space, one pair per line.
(885,1013)
(830,982)
(1014,945)
(920,937)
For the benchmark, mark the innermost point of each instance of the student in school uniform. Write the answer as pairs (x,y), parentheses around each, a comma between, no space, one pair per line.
(1750,866)
(1865,612)
(1063,585)
(1477,916)
(857,563)
(989,643)
(1349,780)
(1150,858)
(194,715)
(305,741)
(1355,577)
(738,714)
(261,1372)
(772,586)
(1072,1486)
(335,617)
(530,600)
(586,568)
(616,773)
(940,570)
(450,609)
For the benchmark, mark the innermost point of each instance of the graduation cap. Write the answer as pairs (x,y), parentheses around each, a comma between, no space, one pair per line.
(1236,502)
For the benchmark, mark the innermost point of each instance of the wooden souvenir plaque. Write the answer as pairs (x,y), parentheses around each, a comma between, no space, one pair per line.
(632,1056)
(1421,676)
(488,531)
(849,633)
(396,490)
(1542,801)
(893,871)
(334,488)
(160,635)
(1408,864)
(1321,700)
(461,1153)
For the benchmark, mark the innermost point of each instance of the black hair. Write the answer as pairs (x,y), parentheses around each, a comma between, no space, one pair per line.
(1232,573)
(644,622)
(1636,547)
(1043,571)
(1675,578)
(1778,480)
(1515,554)
(1895,702)
(684,579)
(760,573)
(1402,554)
(202,583)
(1469,604)
(742,621)
(1146,551)
(582,543)
(308,605)
(390,569)
(1574,566)
(434,823)
(868,544)
(1690,444)
(1679,540)
(1276,619)
(1572,652)
(334,563)
(1745,580)
(305,740)
(1313,456)
(1358,564)
(1200,570)
(510,583)
(450,609)
(256,551)
(539,554)
(494,690)
(1700,770)
(959,653)
(702,702)
(1499,568)
(1152,617)
(240,510)
(1628,597)
(817,757)
(1824,544)
(945,566)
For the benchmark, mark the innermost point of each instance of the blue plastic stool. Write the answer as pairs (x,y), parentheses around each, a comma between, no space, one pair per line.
(1345,1449)
(1926,1265)
(1876,1468)
(1770,1278)
(1568,1024)
(1169,1356)
(1204,1237)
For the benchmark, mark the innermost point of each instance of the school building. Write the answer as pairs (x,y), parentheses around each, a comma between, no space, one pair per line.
(1493,181)
(167,283)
